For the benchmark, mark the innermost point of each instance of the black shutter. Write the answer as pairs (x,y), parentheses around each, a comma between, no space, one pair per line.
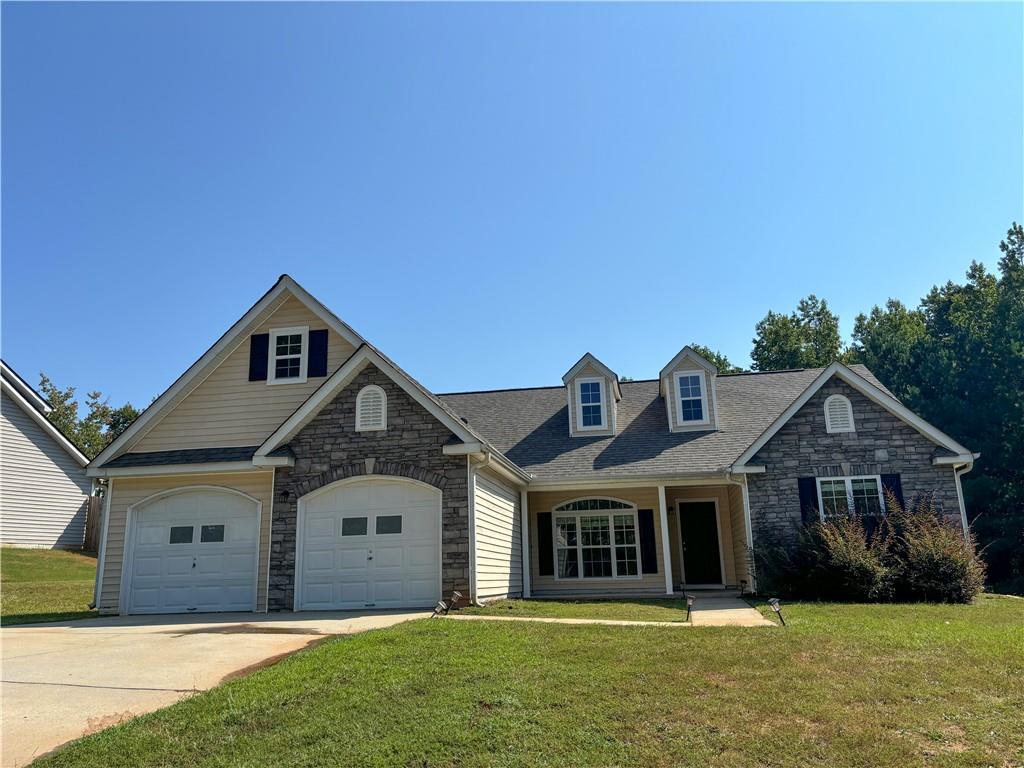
(317,365)
(545,555)
(893,484)
(808,500)
(259,351)
(648,549)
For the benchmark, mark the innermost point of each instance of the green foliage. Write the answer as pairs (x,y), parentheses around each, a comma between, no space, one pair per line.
(915,555)
(100,426)
(807,338)
(714,356)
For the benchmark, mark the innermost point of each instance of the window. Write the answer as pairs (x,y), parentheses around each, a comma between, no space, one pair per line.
(181,534)
(692,400)
(841,496)
(596,545)
(389,524)
(838,414)
(353,526)
(288,352)
(590,408)
(210,534)
(371,409)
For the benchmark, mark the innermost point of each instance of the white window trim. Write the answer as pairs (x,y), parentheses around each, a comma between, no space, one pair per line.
(302,330)
(384,395)
(849,491)
(610,514)
(579,404)
(704,400)
(849,409)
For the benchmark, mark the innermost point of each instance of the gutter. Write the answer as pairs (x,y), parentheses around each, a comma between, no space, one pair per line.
(958,471)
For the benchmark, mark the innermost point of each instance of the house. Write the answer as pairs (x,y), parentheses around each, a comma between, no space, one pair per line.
(44,489)
(294,466)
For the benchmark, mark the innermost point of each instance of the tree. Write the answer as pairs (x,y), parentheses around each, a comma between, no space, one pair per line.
(889,342)
(101,425)
(713,356)
(806,338)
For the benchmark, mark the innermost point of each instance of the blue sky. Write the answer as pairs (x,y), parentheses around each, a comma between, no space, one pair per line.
(488,191)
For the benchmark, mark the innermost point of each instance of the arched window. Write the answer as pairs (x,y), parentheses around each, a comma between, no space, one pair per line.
(596,539)
(371,409)
(838,414)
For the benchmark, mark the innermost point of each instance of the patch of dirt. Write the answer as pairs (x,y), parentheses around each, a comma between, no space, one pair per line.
(245,629)
(271,660)
(96,724)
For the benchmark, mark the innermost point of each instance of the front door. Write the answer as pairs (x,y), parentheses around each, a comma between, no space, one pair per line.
(698,528)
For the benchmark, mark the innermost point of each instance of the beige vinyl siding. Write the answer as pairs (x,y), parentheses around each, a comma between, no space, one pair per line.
(740,546)
(44,492)
(720,493)
(498,538)
(590,372)
(128,491)
(546,501)
(228,410)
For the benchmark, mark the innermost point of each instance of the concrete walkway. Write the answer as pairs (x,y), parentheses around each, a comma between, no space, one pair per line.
(64,680)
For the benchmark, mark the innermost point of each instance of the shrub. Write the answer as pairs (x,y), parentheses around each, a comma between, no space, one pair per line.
(916,554)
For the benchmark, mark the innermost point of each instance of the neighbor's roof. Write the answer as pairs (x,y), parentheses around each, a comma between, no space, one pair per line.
(530,426)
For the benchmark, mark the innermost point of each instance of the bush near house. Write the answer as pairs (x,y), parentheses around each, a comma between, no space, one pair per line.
(913,554)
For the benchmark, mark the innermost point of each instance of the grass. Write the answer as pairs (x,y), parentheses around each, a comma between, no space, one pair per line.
(851,685)
(45,585)
(623,610)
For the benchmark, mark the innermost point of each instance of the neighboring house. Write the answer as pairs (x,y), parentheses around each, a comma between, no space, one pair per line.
(44,489)
(295,467)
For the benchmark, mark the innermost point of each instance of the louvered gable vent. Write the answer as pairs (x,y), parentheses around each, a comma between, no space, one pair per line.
(838,414)
(371,409)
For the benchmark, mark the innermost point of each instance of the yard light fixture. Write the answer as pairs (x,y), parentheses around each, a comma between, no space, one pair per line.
(774,603)
(690,600)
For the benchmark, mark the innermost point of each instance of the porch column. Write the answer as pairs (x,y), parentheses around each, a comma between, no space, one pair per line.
(524,538)
(666,551)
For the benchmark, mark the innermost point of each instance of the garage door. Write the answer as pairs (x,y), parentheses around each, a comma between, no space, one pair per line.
(370,544)
(194,551)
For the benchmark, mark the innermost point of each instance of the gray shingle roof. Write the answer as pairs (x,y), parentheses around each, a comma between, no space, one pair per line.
(188,456)
(530,426)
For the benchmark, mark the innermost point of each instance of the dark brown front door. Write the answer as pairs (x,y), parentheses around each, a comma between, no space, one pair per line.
(698,524)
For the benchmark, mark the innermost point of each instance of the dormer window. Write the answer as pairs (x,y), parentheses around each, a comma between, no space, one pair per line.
(289,348)
(687,384)
(591,404)
(691,398)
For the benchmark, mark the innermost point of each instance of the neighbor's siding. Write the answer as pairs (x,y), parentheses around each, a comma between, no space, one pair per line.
(498,533)
(131,490)
(228,410)
(44,492)
(545,501)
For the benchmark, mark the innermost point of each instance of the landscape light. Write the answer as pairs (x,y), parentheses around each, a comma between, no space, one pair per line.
(690,600)
(774,603)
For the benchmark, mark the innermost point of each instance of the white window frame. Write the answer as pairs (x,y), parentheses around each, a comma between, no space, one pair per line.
(704,400)
(303,331)
(360,427)
(610,514)
(848,479)
(603,389)
(849,409)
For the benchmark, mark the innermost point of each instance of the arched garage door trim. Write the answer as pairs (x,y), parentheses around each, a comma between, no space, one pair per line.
(124,598)
(300,522)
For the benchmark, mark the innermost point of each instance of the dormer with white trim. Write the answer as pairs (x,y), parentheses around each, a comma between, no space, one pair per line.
(592,393)
(688,386)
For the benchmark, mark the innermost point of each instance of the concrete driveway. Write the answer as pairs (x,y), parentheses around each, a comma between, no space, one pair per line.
(64,680)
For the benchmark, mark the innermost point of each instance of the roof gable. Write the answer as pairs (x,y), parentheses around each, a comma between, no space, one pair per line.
(39,417)
(589,360)
(26,390)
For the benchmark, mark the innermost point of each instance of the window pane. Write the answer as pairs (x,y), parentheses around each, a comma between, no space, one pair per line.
(353,526)
(692,410)
(625,561)
(288,344)
(181,534)
(389,524)
(625,532)
(590,392)
(287,368)
(211,533)
(833,498)
(591,415)
(865,497)
(568,564)
(595,531)
(597,562)
(565,531)
(689,386)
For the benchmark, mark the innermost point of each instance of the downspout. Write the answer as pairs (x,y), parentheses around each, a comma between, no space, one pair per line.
(958,471)
(101,556)
(471,472)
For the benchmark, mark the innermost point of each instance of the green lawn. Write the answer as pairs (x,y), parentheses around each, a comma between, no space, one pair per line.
(44,585)
(870,686)
(625,610)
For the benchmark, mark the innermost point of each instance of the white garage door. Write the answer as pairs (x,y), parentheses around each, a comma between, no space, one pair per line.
(194,551)
(370,544)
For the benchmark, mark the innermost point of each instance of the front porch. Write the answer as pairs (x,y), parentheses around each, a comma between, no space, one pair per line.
(641,540)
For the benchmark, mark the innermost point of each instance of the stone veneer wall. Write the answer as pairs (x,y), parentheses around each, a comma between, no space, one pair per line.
(882,444)
(329,449)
